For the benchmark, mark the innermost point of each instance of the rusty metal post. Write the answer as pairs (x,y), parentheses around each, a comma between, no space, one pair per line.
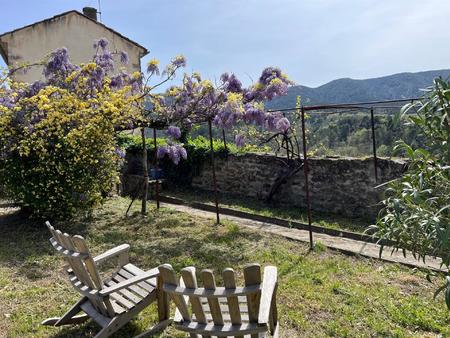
(306,173)
(213,166)
(155,165)
(374,145)
(145,173)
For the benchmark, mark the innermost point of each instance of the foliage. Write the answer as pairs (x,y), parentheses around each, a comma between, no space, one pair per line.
(198,153)
(349,134)
(57,137)
(416,214)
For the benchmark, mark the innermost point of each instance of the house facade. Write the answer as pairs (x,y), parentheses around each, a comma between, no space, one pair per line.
(74,30)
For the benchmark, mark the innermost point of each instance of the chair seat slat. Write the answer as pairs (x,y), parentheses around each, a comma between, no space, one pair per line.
(135,288)
(127,294)
(148,285)
(216,293)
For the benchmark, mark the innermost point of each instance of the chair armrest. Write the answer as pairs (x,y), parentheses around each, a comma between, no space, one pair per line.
(136,279)
(121,250)
(269,287)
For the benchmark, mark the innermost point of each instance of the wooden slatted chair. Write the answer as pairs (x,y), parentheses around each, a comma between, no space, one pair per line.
(228,311)
(112,302)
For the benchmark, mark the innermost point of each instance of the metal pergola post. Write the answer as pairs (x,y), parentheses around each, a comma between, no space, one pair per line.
(213,166)
(155,165)
(306,173)
(374,145)
(145,173)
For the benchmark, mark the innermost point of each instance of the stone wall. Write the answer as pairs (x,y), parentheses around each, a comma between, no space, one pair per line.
(339,185)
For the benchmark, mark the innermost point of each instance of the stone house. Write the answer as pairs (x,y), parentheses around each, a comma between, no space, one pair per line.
(74,30)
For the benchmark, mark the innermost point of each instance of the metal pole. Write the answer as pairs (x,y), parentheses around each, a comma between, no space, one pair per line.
(145,173)
(306,172)
(213,171)
(374,145)
(155,165)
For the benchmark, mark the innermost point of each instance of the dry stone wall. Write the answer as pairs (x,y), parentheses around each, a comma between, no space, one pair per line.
(338,185)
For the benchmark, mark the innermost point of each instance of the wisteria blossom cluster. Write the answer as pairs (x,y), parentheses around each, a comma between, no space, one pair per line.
(227,104)
(249,107)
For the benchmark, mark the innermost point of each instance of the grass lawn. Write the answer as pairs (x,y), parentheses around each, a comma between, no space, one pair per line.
(252,205)
(321,293)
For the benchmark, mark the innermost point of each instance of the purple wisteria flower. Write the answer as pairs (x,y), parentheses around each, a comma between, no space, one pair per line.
(136,84)
(224,77)
(276,88)
(104,60)
(117,81)
(179,61)
(6,101)
(254,115)
(152,67)
(58,64)
(120,80)
(175,152)
(124,57)
(35,88)
(119,152)
(226,118)
(239,140)
(102,43)
(231,83)
(174,132)
(96,77)
(161,152)
(272,118)
(269,74)
(229,115)
(283,125)
(183,153)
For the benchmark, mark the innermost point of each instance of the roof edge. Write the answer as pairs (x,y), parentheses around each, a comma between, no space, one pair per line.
(144,50)
(4,54)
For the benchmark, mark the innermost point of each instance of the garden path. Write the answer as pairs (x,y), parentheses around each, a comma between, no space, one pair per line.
(345,245)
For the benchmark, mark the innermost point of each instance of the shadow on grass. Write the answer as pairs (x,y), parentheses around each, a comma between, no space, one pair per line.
(22,239)
(90,329)
(166,236)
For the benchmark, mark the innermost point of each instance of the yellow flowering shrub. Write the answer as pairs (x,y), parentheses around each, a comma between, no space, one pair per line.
(58,147)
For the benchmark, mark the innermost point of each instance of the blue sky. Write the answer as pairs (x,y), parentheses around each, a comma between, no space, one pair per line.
(313,41)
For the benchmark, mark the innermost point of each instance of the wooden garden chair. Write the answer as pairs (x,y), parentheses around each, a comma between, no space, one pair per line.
(248,311)
(111,302)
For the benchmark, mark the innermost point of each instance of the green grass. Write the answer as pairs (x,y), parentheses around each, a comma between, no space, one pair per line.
(321,293)
(252,205)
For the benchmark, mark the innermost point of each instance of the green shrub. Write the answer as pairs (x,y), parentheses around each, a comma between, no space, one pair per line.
(416,214)
(198,150)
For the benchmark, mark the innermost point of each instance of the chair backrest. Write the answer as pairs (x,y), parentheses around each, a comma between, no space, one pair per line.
(232,309)
(83,272)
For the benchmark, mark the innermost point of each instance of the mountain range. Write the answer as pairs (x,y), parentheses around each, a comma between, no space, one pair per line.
(345,90)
